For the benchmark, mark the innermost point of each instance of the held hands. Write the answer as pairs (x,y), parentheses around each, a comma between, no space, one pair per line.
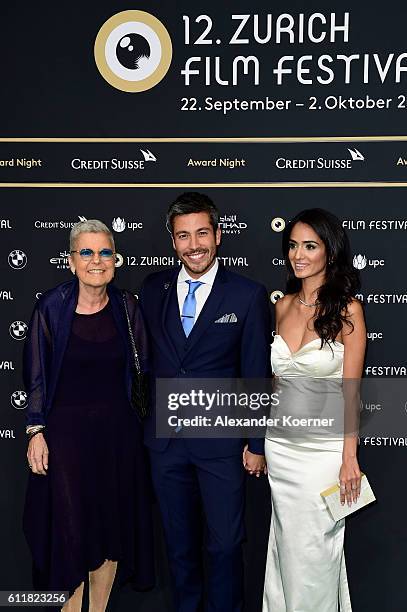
(254,464)
(37,455)
(349,479)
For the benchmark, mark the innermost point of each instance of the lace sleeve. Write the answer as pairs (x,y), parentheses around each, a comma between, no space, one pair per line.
(37,347)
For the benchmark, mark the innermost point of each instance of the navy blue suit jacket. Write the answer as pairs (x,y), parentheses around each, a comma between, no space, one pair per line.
(212,350)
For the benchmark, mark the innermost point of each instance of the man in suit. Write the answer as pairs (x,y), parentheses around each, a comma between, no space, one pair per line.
(183,309)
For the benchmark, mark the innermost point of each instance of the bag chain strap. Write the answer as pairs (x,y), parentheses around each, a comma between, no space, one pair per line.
(133,344)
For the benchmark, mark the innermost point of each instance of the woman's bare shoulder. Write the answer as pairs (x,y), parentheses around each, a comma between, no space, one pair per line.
(284,303)
(355,308)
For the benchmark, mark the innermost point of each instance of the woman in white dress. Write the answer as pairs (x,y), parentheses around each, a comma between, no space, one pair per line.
(320,334)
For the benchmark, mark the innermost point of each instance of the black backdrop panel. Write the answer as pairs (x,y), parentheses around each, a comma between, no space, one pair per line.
(39,220)
(52,89)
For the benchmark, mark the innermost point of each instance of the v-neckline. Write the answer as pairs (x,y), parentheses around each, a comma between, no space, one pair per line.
(304,345)
(301,347)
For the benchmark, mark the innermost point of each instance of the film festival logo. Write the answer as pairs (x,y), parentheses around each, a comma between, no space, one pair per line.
(17,259)
(384,225)
(275,296)
(133,51)
(6,365)
(119,260)
(6,295)
(277,224)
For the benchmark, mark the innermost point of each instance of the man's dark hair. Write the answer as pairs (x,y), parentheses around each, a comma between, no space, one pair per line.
(192,202)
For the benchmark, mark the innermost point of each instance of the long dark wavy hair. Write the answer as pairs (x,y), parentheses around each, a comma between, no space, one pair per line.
(342,281)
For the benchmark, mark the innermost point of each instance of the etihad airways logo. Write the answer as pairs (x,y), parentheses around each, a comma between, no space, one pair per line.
(230,224)
(320,163)
(61,262)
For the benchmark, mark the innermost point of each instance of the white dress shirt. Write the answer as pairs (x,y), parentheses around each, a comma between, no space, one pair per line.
(202,293)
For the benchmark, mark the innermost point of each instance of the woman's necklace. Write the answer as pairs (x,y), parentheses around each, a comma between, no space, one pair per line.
(85,309)
(306,303)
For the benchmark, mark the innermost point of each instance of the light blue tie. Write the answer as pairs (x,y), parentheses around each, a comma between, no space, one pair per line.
(189,307)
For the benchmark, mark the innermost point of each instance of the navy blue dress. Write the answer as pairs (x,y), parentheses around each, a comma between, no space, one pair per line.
(94,503)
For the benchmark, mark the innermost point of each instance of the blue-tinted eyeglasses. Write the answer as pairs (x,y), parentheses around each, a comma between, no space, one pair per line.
(89,253)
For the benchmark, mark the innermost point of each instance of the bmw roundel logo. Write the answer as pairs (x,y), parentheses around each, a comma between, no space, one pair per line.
(18,330)
(19,400)
(17,259)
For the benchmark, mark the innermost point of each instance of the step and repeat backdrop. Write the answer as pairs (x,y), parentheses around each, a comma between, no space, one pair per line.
(111,111)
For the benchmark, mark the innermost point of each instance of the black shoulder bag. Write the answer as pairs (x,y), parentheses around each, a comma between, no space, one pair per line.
(140,392)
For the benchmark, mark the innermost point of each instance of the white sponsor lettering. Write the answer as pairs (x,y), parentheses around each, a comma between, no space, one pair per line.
(386,370)
(6,365)
(387,441)
(7,434)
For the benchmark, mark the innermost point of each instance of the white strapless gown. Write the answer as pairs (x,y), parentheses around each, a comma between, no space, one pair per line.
(305,563)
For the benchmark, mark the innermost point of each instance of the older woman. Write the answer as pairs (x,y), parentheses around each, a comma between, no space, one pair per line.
(87,505)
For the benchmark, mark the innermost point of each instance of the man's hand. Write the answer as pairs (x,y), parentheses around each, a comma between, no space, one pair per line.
(254,464)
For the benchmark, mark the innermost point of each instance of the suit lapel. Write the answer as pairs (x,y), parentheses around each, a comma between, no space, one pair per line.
(169,289)
(208,312)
